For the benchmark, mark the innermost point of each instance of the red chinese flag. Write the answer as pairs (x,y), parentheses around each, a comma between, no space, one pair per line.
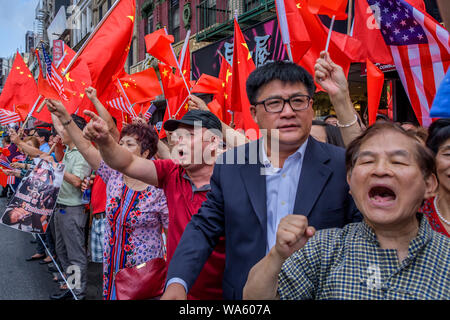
(367,30)
(107,51)
(375,81)
(208,84)
(20,86)
(224,96)
(171,83)
(3,179)
(343,49)
(292,28)
(179,104)
(176,89)
(140,87)
(216,108)
(329,7)
(243,65)
(22,110)
(46,90)
(75,81)
(158,45)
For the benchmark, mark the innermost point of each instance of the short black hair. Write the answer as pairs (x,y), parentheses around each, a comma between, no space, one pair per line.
(285,71)
(144,134)
(79,121)
(43,133)
(382,117)
(438,133)
(7,218)
(7,139)
(329,116)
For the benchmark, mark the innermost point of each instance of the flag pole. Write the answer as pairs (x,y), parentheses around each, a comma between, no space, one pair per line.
(349,20)
(128,100)
(281,13)
(184,101)
(183,53)
(186,42)
(178,64)
(167,101)
(31,111)
(329,33)
(89,38)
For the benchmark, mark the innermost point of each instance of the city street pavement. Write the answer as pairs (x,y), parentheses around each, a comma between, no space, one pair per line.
(23,280)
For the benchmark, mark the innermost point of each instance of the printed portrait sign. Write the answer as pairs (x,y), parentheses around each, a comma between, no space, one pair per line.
(31,207)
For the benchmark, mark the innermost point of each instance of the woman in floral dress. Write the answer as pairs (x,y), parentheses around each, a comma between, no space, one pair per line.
(437,208)
(136,213)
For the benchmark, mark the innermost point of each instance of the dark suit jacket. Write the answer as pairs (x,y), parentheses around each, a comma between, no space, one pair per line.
(236,207)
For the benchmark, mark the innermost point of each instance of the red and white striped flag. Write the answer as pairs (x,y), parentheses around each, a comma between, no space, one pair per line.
(420,48)
(120,104)
(149,112)
(11,180)
(53,76)
(7,117)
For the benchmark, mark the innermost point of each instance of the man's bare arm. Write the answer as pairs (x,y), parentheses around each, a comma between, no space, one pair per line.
(72,179)
(117,157)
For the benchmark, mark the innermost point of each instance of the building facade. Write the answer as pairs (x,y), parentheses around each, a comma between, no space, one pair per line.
(210,23)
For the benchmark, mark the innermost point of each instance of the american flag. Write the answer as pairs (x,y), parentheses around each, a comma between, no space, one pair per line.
(121,104)
(11,180)
(420,48)
(149,112)
(53,77)
(7,117)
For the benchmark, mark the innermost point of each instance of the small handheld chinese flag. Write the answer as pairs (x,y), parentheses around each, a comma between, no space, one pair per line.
(159,44)
(216,108)
(140,87)
(329,7)
(375,80)
(207,84)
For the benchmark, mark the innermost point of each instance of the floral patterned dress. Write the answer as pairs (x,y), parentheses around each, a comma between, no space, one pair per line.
(429,211)
(134,221)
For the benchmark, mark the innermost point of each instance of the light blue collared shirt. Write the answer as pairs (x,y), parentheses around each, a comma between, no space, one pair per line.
(281,190)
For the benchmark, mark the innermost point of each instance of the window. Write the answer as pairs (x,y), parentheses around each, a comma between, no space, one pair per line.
(109,4)
(150,28)
(250,4)
(207,13)
(100,12)
(175,20)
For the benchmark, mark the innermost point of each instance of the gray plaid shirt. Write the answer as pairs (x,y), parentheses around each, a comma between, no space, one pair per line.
(348,263)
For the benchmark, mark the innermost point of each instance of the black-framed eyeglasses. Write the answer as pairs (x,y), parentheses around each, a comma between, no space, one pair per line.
(297,102)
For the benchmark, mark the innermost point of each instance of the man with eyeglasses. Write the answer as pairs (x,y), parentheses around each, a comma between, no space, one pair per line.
(293,174)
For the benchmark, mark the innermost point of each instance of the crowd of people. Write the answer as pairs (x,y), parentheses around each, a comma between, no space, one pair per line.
(331,209)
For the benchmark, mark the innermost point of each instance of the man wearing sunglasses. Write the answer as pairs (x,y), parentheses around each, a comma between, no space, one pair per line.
(293,174)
